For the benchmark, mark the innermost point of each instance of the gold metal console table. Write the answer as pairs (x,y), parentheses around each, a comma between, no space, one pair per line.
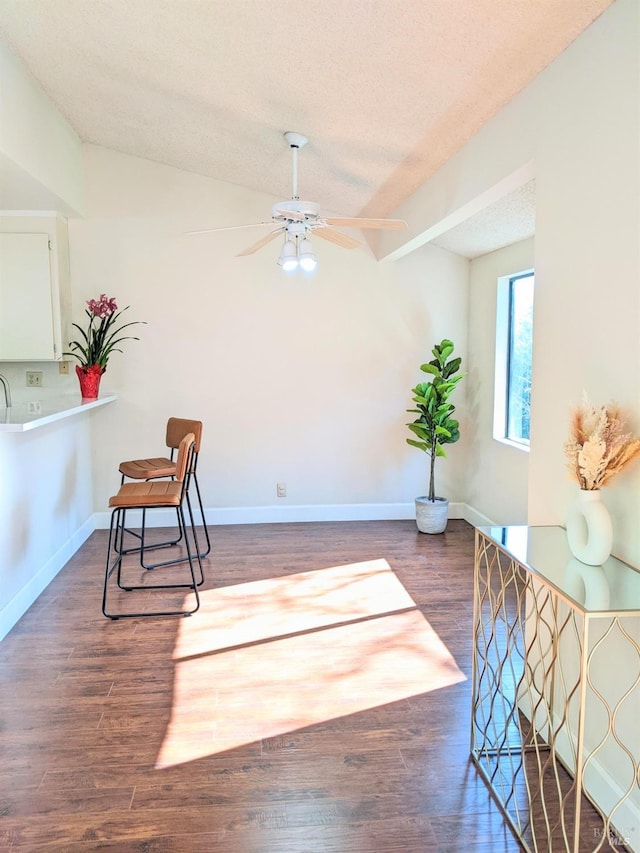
(555,728)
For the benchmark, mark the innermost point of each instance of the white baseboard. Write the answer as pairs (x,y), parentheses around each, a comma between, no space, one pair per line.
(477,519)
(22,601)
(278,514)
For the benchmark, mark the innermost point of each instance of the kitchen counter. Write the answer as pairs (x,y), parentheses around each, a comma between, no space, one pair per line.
(36,413)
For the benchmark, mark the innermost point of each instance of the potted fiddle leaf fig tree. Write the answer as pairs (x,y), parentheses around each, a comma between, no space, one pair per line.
(434,427)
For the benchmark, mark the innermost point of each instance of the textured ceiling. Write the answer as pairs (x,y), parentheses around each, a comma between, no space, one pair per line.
(506,221)
(386,90)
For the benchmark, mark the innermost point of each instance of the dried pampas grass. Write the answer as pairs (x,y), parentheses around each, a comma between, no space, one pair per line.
(598,447)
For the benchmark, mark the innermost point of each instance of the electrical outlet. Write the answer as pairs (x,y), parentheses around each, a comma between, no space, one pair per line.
(34,379)
(281,490)
(63,367)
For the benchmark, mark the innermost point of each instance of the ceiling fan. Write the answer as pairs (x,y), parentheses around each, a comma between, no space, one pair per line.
(296,220)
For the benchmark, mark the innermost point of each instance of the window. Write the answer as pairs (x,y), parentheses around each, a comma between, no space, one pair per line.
(514,346)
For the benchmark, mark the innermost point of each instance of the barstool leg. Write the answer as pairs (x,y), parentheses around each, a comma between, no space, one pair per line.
(118,519)
(183,533)
(193,576)
(141,548)
(195,538)
(204,521)
(110,567)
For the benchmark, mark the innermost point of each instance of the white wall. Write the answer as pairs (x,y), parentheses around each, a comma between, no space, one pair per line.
(587,309)
(40,153)
(298,379)
(497,481)
(45,493)
(579,123)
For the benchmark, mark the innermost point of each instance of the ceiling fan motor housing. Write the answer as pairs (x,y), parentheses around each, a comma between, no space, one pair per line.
(308,209)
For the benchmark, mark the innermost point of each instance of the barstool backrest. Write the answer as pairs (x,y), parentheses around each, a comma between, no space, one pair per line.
(177,428)
(184,452)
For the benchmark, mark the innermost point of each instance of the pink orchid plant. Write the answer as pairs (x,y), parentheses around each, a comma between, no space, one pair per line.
(100,339)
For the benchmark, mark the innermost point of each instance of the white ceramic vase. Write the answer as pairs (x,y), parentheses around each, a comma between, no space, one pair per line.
(589,528)
(431,516)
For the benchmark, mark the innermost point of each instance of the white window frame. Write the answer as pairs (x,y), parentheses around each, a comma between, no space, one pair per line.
(501,382)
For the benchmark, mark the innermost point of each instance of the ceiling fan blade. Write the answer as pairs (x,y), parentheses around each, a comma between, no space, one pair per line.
(337,237)
(270,236)
(229,228)
(357,222)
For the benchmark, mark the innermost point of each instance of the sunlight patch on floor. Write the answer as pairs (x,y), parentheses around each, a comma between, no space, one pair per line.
(265,658)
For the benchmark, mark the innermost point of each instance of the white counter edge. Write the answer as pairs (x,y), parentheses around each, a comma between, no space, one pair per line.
(53,410)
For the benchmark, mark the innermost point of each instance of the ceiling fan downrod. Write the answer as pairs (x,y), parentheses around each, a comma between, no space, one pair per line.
(295,141)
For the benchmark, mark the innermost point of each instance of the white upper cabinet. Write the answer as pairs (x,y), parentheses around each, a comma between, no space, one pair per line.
(34,287)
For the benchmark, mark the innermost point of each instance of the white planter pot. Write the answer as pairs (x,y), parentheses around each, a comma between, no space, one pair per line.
(589,528)
(431,516)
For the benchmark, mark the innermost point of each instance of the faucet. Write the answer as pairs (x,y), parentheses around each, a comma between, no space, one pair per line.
(7,391)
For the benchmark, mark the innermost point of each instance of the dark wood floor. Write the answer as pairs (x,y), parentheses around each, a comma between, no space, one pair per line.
(103,736)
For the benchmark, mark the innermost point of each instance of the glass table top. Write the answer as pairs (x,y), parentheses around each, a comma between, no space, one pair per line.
(613,586)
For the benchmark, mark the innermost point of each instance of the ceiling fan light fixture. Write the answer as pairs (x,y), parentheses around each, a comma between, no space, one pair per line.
(288,259)
(306,258)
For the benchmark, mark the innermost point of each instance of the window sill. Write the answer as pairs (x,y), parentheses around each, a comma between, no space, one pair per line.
(509,443)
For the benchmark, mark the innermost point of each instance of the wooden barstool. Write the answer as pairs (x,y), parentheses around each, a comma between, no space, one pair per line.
(154,494)
(160,468)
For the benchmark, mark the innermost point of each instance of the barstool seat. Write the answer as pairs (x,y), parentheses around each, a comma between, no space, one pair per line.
(148,469)
(152,493)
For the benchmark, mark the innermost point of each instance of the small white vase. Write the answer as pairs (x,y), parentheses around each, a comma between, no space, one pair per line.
(589,528)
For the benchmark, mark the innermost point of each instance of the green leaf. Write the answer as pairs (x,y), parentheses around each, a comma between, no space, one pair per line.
(451,367)
(446,351)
